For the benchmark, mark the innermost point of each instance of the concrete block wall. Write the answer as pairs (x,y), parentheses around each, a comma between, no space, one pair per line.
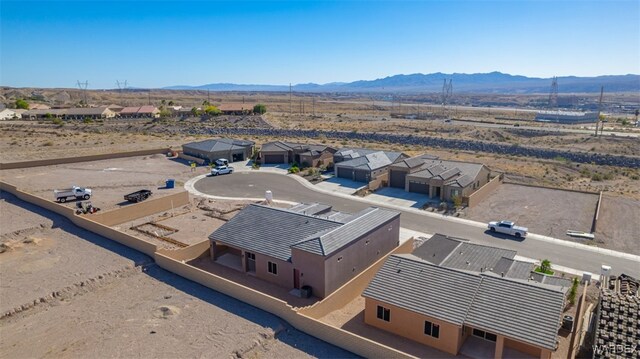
(482,193)
(58,161)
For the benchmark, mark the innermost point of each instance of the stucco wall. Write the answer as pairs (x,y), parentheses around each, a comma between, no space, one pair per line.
(57,161)
(359,255)
(311,271)
(284,278)
(482,193)
(142,209)
(354,288)
(522,347)
(411,325)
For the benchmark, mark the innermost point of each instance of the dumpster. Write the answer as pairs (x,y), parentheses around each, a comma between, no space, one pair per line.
(170,183)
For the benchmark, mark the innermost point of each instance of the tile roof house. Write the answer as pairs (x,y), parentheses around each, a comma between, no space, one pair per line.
(307,155)
(363,165)
(210,150)
(8,114)
(443,307)
(438,178)
(232,108)
(139,112)
(306,245)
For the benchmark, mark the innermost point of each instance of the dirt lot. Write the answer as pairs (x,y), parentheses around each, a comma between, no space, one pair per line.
(109,179)
(544,211)
(114,302)
(188,224)
(619,223)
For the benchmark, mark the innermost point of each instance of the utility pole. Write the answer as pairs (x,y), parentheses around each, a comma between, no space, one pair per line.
(290,112)
(314,109)
(209,97)
(600,111)
(149,97)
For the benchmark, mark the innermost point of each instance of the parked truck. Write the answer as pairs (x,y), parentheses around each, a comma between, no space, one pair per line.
(508,227)
(138,196)
(74,192)
(221,170)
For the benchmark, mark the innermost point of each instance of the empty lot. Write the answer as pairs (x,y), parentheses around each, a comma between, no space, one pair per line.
(544,211)
(97,298)
(109,179)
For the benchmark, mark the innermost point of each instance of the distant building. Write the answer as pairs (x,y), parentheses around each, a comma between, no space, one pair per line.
(7,114)
(139,112)
(236,108)
(79,113)
(567,117)
(306,245)
(210,150)
(307,155)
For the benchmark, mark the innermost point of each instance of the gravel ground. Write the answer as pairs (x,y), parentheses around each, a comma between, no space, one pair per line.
(97,298)
(544,211)
(619,225)
(109,179)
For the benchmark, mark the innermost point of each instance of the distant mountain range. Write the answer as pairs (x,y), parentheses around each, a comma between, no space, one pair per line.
(493,82)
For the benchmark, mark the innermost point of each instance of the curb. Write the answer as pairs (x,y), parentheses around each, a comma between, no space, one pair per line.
(609,252)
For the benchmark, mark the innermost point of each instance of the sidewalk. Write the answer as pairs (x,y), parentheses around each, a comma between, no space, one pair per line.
(189,187)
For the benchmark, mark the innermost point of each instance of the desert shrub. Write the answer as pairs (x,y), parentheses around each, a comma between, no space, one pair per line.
(596,177)
(47,144)
(87,120)
(573,291)
(57,121)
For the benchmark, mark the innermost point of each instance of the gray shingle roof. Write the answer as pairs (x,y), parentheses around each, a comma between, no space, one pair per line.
(274,231)
(360,224)
(350,153)
(476,257)
(518,310)
(527,312)
(411,283)
(313,209)
(437,248)
(458,253)
(219,144)
(371,161)
(269,231)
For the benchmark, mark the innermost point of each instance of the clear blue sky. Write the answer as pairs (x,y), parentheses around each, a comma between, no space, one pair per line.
(156,44)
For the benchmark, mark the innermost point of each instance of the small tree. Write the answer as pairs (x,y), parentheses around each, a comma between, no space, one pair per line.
(164,113)
(260,108)
(545,266)
(171,103)
(212,111)
(573,291)
(457,201)
(22,104)
(48,116)
(195,111)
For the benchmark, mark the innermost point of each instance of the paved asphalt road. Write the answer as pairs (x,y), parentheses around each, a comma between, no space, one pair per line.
(254,184)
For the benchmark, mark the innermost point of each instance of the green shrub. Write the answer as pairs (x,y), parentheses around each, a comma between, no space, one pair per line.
(596,177)
(57,121)
(87,120)
(573,291)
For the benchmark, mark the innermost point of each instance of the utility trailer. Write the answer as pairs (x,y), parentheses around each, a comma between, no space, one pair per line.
(138,196)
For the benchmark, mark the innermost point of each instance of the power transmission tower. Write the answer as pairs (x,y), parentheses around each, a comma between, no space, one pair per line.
(447,91)
(122,86)
(553,95)
(82,86)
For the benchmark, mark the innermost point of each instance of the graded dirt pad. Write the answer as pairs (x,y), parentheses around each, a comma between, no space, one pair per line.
(109,179)
(66,292)
(619,224)
(154,314)
(544,211)
(51,258)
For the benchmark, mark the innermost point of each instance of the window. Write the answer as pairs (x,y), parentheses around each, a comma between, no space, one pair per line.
(384,313)
(485,335)
(431,329)
(339,258)
(251,256)
(273,268)
(455,192)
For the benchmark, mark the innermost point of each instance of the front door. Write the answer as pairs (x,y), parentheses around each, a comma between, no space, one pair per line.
(296,279)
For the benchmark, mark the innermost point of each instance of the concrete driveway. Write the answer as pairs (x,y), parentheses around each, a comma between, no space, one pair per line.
(400,197)
(341,185)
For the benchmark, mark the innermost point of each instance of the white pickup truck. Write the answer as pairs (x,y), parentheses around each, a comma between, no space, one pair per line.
(76,192)
(221,170)
(508,227)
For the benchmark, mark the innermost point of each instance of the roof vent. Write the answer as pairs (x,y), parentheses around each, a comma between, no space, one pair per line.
(502,274)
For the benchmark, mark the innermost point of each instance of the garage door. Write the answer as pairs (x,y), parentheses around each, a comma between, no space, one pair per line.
(345,173)
(396,179)
(418,187)
(362,176)
(273,158)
